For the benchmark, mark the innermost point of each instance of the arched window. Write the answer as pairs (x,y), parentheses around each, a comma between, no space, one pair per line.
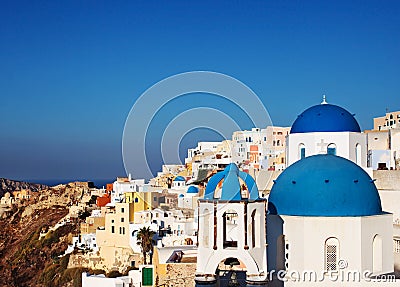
(331,149)
(206,227)
(302,151)
(230,229)
(358,154)
(255,229)
(377,254)
(331,254)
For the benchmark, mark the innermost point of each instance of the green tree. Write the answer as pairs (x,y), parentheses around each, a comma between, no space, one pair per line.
(145,240)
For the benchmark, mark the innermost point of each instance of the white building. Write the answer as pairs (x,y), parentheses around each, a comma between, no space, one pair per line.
(384,149)
(325,216)
(125,184)
(209,155)
(326,129)
(145,276)
(188,200)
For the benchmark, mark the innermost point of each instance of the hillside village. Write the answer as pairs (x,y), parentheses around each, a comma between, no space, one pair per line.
(137,233)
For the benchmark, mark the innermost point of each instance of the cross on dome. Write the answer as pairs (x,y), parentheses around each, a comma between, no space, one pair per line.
(324,102)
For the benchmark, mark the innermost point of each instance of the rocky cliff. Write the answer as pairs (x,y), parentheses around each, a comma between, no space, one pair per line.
(26,260)
(8,185)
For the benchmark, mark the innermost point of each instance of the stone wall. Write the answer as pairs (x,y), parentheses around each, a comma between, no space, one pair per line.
(95,262)
(387,179)
(176,274)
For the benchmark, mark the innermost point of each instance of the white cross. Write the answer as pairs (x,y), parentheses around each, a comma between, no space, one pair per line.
(323,146)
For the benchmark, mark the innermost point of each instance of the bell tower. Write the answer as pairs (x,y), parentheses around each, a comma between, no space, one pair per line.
(232,224)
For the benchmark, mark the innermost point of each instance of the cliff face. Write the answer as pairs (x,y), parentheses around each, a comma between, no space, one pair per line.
(25,259)
(7,185)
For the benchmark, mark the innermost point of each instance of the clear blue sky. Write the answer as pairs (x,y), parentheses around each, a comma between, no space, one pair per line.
(71,70)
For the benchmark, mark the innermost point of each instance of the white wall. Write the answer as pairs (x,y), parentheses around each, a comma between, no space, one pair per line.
(306,236)
(345,145)
(390,200)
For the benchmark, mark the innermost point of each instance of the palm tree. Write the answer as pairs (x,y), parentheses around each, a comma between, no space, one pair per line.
(145,240)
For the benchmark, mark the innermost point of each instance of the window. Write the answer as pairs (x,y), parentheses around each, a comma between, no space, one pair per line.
(377,254)
(396,245)
(358,154)
(122,210)
(122,219)
(230,223)
(331,254)
(302,151)
(255,228)
(113,229)
(136,200)
(331,149)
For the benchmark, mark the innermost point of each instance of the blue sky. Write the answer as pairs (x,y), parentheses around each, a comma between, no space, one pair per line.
(71,70)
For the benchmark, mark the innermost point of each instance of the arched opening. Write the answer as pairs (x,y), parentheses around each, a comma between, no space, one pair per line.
(377,254)
(206,227)
(331,149)
(331,254)
(358,154)
(255,229)
(302,151)
(231,272)
(230,229)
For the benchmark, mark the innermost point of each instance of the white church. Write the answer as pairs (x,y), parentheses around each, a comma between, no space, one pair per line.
(323,223)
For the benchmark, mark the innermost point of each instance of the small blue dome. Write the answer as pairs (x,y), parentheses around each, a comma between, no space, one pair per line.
(324,185)
(192,189)
(325,118)
(231,189)
(179,178)
(181,195)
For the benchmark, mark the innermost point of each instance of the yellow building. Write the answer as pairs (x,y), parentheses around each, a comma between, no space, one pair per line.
(140,200)
(389,121)
(114,240)
(91,224)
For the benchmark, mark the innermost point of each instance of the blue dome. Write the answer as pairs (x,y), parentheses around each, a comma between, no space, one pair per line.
(325,118)
(181,196)
(231,189)
(192,189)
(179,178)
(324,185)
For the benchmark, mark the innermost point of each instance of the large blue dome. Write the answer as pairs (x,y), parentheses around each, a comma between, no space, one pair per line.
(325,118)
(324,185)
